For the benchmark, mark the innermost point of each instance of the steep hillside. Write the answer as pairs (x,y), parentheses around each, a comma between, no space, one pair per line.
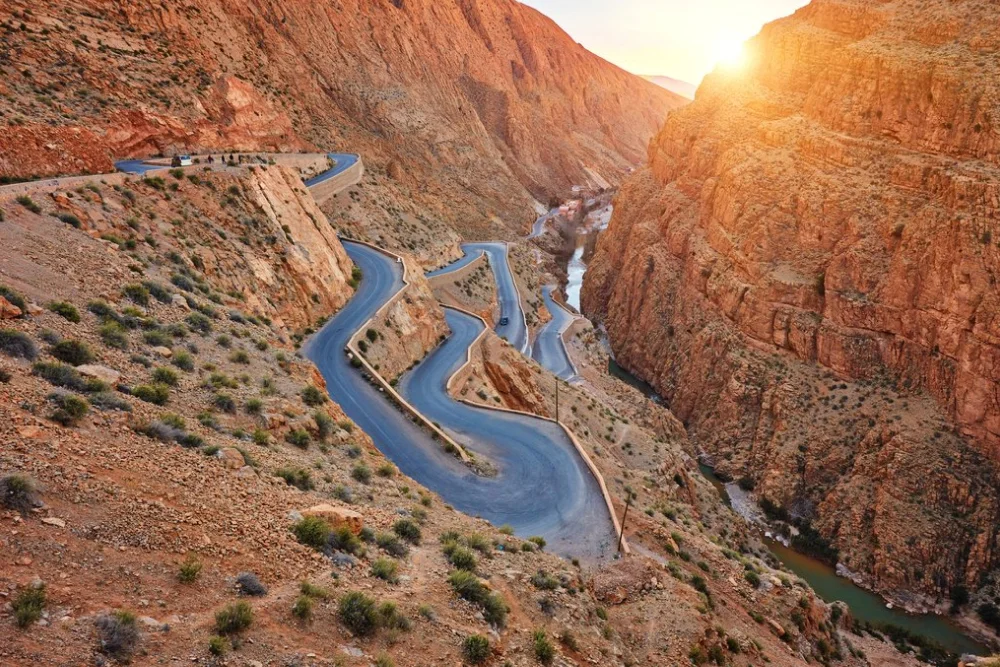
(484,103)
(807,270)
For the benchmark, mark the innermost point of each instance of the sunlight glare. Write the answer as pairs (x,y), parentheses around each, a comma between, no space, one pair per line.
(730,53)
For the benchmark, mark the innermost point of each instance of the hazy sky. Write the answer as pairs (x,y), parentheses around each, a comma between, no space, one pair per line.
(679,38)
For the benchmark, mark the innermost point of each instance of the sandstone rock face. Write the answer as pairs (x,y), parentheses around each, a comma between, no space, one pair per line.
(807,271)
(486,96)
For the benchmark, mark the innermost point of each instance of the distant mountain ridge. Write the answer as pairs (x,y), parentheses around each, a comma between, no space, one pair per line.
(682,88)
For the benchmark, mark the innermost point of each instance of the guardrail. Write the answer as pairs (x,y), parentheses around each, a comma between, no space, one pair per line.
(572,437)
(402,402)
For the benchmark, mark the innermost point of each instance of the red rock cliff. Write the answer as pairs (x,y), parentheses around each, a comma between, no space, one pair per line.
(807,270)
(486,96)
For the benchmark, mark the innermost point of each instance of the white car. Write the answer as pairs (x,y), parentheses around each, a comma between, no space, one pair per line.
(186,161)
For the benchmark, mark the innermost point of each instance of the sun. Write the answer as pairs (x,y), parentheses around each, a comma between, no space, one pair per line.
(730,53)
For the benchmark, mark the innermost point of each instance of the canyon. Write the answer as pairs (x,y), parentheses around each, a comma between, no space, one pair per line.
(806,271)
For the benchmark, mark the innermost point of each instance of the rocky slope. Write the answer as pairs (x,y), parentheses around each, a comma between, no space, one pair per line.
(807,271)
(484,103)
(151,395)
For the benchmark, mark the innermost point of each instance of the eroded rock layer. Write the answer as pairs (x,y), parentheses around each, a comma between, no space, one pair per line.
(807,271)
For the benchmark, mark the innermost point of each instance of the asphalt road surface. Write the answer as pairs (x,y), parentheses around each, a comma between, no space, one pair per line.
(516,330)
(542,486)
(549,349)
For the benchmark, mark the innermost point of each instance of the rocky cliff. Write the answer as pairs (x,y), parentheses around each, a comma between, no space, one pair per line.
(486,101)
(807,271)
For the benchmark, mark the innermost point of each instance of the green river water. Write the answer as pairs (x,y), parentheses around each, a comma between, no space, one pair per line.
(864,605)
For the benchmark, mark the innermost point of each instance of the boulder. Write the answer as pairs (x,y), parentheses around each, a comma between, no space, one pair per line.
(164,352)
(8,311)
(179,301)
(34,309)
(231,457)
(103,373)
(337,516)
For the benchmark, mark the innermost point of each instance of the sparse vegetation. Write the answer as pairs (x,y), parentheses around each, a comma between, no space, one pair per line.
(118,634)
(233,618)
(17,344)
(66,310)
(312,531)
(475,649)
(28,605)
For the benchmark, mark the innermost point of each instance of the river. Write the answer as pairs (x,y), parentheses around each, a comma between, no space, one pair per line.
(864,605)
(823,579)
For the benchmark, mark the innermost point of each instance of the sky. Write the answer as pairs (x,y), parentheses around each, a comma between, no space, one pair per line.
(683,39)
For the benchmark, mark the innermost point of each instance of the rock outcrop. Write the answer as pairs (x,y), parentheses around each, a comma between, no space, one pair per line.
(807,271)
(485,99)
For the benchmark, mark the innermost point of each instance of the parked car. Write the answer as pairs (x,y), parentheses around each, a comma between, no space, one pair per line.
(186,161)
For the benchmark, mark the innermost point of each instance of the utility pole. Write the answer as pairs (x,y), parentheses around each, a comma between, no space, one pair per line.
(557,399)
(621,536)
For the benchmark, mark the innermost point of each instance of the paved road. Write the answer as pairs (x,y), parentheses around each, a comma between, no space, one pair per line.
(539,227)
(139,167)
(549,349)
(542,487)
(342,162)
(516,330)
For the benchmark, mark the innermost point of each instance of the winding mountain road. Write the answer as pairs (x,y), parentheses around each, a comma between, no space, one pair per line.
(516,329)
(542,487)
(549,349)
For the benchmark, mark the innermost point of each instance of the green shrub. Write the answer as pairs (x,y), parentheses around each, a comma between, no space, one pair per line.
(217,645)
(545,652)
(462,558)
(297,477)
(372,335)
(542,580)
(324,424)
(189,571)
(70,220)
(17,344)
(361,473)
(392,545)
(233,618)
(69,408)
(752,578)
(408,530)
(254,406)
(199,322)
(183,360)
(469,587)
(114,335)
(313,591)
(239,357)
(312,531)
(28,203)
(28,605)
(386,470)
(303,608)
(385,569)
(313,397)
(136,293)
(59,375)
(224,402)
(358,613)
(298,437)
(158,337)
(164,375)
(118,634)
(157,394)
(18,493)
(538,541)
(475,649)
(73,352)
(66,310)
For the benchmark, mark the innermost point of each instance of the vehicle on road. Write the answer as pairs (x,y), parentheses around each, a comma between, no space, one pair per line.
(504,321)
(186,161)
